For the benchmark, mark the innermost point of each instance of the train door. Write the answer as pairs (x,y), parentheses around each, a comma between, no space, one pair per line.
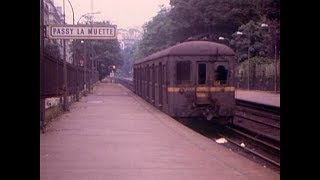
(139,80)
(153,84)
(202,73)
(223,90)
(143,80)
(150,83)
(147,83)
(164,88)
(160,76)
(202,88)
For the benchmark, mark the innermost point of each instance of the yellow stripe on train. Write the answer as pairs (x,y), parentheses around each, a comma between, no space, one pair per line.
(202,94)
(178,89)
(200,89)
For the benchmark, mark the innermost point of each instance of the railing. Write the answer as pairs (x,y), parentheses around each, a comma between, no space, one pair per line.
(53,78)
(53,85)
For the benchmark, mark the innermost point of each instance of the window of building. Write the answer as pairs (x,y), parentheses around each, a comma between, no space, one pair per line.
(183,72)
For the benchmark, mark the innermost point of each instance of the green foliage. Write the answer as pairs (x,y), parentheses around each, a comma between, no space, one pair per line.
(242,68)
(127,56)
(252,42)
(209,19)
(259,60)
(105,52)
(53,50)
(156,34)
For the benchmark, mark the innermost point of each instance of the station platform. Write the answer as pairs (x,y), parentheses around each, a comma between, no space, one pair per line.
(261,97)
(114,134)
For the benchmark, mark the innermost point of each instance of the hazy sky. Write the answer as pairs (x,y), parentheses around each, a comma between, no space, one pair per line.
(123,13)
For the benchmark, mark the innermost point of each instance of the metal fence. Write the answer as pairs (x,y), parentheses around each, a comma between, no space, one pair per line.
(265,77)
(53,82)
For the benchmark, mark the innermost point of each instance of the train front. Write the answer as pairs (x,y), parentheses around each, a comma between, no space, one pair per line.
(205,81)
(215,91)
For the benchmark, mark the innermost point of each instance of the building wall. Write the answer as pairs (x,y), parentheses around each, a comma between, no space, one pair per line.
(53,15)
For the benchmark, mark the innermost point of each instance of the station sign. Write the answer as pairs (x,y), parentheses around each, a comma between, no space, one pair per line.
(82,31)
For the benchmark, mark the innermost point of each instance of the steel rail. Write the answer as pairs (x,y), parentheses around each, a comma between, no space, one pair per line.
(251,151)
(257,121)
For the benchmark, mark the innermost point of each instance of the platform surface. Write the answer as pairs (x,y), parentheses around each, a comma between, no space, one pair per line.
(114,134)
(262,97)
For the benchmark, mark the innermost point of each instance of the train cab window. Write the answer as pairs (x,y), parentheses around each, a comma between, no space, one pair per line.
(221,74)
(202,73)
(183,72)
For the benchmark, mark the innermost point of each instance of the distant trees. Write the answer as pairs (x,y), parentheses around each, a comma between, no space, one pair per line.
(127,56)
(210,19)
(105,52)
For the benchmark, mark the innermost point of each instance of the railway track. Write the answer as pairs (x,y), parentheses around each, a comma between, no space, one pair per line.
(255,128)
(126,83)
(266,149)
(261,123)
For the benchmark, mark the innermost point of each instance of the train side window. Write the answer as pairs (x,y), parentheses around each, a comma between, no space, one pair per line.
(202,73)
(221,74)
(183,72)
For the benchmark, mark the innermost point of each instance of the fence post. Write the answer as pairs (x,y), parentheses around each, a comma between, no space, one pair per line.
(77,83)
(65,75)
(42,98)
(275,68)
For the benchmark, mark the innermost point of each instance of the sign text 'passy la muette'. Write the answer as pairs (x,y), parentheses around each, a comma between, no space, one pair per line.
(82,32)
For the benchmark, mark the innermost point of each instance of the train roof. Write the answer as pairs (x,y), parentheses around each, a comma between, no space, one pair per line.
(192,48)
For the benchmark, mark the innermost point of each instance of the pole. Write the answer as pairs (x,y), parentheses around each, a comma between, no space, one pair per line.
(72,11)
(248,69)
(73,57)
(42,99)
(89,69)
(275,67)
(85,67)
(65,78)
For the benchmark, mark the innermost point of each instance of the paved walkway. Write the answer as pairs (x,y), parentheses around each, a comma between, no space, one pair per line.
(262,97)
(113,134)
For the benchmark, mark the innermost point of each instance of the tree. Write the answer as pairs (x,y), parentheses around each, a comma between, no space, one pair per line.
(207,19)
(157,34)
(105,52)
(253,41)
(53,50)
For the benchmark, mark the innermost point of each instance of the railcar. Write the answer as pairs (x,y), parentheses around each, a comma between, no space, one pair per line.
(190,79)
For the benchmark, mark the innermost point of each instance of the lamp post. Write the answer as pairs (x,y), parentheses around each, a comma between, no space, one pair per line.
(248,57)
(84,15)
(42,99)
(85,66)
(73,56)
(72,12)
(224,39)
(85,52)
(65,78)
(275,58)
(221,38)
(249,34)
